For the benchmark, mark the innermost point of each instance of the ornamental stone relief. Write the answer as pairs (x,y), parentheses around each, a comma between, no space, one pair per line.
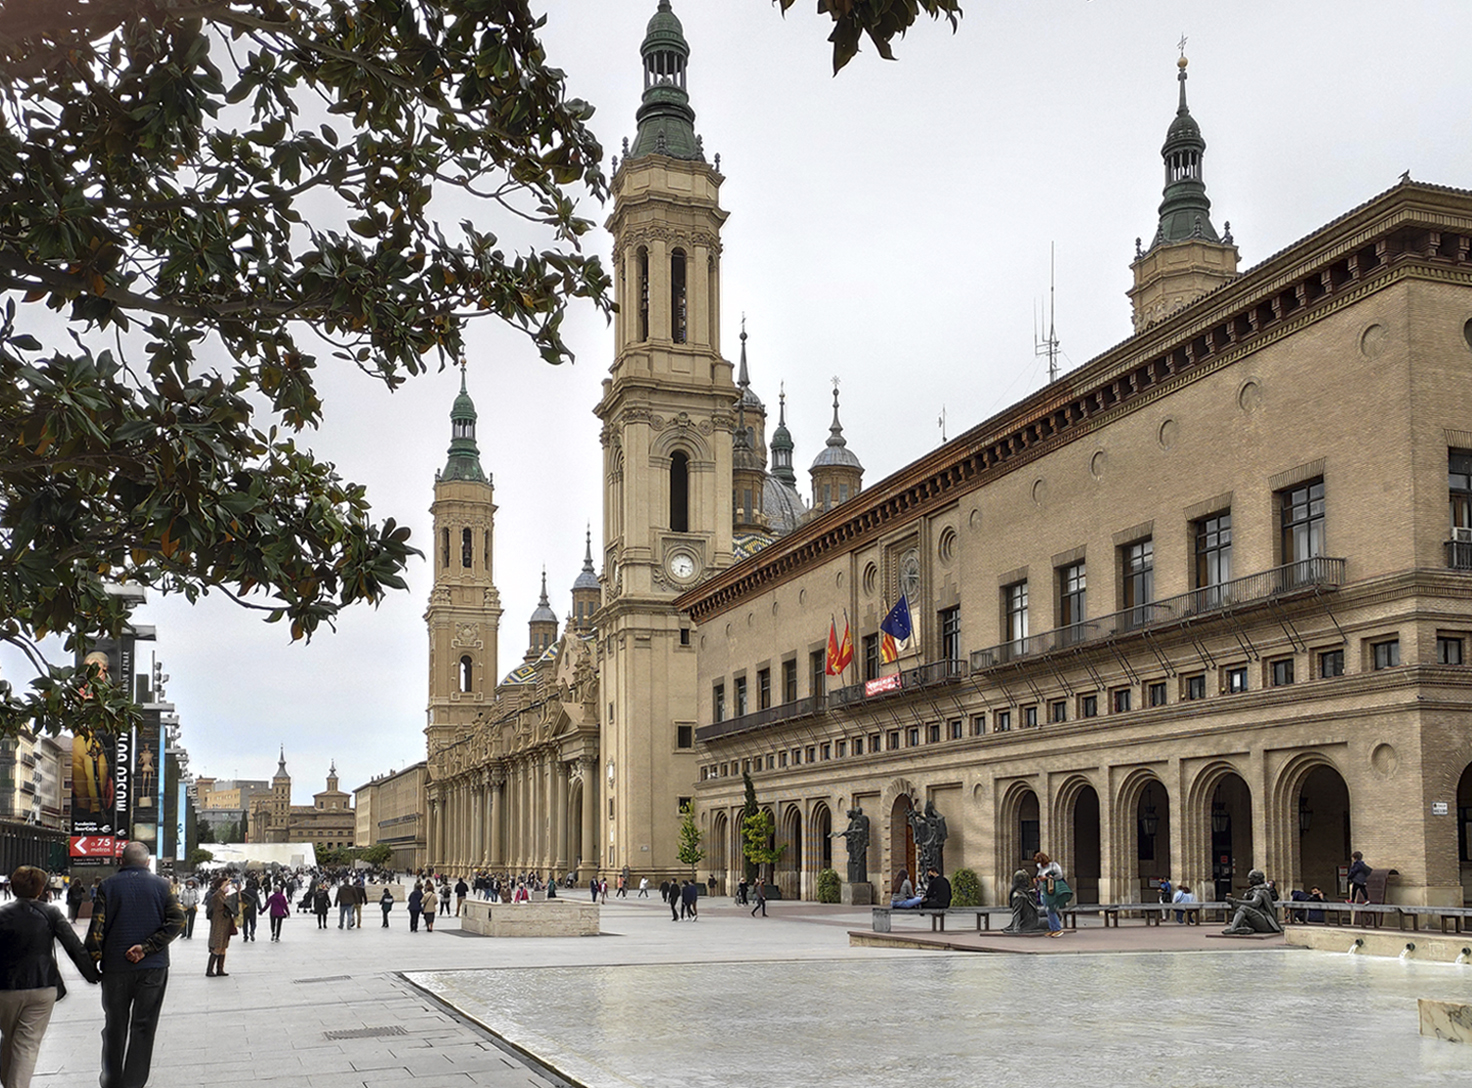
(467,634)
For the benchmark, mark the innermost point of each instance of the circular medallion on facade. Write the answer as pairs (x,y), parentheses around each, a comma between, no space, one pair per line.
(1097,464)
(975,520)
(871,579)
(1372,342)
(1467,332)
(1385,759)
(1039,492)
(1169,434)
(946,549)
(1249,397)
(910,575)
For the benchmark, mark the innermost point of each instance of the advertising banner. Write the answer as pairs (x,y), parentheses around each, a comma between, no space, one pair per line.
(146,783)
(101,768)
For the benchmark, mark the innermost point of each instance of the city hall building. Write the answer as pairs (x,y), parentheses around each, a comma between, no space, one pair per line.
(1199,606)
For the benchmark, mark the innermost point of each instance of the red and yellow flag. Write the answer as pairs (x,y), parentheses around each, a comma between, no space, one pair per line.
(845,648)
(832,668)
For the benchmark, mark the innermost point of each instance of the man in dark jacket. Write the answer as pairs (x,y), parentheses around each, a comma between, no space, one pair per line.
(937,891)
(134,918)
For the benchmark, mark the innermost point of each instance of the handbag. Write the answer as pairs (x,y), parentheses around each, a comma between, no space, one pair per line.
(1059,893)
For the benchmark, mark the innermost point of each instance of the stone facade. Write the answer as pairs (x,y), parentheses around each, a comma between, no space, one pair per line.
(1198,608)
(390,810)
(327,822)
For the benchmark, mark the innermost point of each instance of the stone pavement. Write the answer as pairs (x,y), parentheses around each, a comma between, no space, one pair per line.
(649,999)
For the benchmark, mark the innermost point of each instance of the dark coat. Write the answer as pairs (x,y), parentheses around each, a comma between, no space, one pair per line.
(27,959)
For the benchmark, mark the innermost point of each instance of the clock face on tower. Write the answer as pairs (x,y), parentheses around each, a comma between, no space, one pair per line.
(682,566)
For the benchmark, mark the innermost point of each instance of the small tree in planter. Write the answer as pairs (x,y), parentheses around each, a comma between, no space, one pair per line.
(690,852)
(757,831)
(965,888)
(828,886)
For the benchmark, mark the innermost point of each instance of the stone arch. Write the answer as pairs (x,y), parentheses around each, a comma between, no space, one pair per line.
(897,841)
(790,865)
(1140,791)
(688,440)
(818,850)
(1076,838)
(1218,845)
(1018,802)
(720,839)
(1309,820)
(1462,840)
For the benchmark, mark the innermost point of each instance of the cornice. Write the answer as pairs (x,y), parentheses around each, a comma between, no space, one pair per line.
(1399,235)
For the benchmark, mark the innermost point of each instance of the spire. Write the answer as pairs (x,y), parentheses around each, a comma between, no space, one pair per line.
(1185,211)
(743,379)
(782,443)
(281,764)
(666,121)
(464,459)
(836,451)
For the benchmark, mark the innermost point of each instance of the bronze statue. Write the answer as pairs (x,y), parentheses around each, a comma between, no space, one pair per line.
(1256,912)
(857,837)
(1024,906)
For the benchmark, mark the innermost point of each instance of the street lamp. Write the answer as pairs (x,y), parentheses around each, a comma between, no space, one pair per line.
(1220,821)
(1151,823)
(1305,816)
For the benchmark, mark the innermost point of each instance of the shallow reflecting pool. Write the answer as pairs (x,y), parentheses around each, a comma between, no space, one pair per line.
(932,1021)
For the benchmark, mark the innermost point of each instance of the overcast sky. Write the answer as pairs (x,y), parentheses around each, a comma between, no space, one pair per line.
(890,226)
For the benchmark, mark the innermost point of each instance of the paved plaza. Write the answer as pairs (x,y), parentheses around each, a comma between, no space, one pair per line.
(786,1000)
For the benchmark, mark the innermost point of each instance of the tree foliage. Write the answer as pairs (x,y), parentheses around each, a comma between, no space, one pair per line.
(881,21)
(830,888)
(210,197)
(758,842)
(691,836)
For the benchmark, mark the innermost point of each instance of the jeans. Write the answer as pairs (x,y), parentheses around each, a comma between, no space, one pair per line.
(344,915)
(276,927)
(907,904)
(131,1000)
(189,915)
(24,1015)
(1054,922)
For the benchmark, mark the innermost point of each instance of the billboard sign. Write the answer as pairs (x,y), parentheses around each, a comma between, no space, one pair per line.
(102,766)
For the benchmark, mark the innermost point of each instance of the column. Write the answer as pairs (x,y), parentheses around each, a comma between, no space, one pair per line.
(592,848)
(496,782)
(559,817)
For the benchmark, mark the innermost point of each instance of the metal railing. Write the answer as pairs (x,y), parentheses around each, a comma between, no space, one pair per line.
(799,708)
(1291,579)
(922,676)
(1459,555)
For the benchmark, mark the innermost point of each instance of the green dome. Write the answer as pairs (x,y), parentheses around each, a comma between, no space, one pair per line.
(666,121)
(464,458)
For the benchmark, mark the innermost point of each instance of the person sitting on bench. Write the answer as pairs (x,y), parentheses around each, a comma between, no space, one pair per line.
(904,896)
(937,891)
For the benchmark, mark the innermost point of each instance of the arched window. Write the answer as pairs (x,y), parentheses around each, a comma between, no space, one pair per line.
(445,547)
(679,492)
(467,672)
(642,261)
(678,294)
(466,549)
(488,549)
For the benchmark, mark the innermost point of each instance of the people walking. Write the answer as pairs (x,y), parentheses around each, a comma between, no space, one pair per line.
(30,985)
(189,900)
(321,903)
(219,911)
(761,897)
(462,889)
(431,906)
(416,906)
(278,907)
(386,904)
(134,917)
(1359,879)
(643,887)
(250,905)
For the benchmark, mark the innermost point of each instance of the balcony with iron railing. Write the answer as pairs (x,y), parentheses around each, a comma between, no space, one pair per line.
(799,708)
(932,675)
(1459,550)
(1304,577)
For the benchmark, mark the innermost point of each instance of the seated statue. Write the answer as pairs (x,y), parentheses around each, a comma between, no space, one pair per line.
(1256,912)
(1024,903)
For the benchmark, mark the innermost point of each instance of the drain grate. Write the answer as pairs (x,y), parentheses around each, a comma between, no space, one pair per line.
(365,1033)
(324,978)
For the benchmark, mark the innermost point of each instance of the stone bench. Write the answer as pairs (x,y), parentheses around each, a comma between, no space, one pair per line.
(548,918)
(1373,915)
(883,916)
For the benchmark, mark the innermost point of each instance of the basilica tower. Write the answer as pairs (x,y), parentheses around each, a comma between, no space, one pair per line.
(668,414)
(464,608)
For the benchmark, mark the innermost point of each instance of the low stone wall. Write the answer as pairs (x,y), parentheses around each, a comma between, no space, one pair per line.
(1447,1020)
(1432,946)
(554,918)
(375,893)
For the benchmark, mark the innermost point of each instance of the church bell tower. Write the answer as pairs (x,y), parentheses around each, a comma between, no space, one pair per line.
(668,415)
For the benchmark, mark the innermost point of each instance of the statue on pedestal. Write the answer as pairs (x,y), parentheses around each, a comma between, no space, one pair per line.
(1256,912)
(1024,902)
(857,837)
(930,833)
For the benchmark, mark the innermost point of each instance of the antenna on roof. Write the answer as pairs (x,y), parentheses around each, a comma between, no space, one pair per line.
(1048,347)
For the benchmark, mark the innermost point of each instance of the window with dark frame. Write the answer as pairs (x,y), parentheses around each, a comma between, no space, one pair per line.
(840,749)
(950,633)
(1448,650)
(1002,721)
(1331,663)
(873,743)
(1385,655)
(1196,687)
(678,297)
(1088,706)
(978,725)
(1030,717)
(1014,598)
(1072,601)
(1459,496)
(1280,672)
(894,740)
(933,733)
(1236,680)
(679,492)
(685,736)
(817,670)
(858,746)
(1058,711)
(741,707)
(871,656)
(958,729)
(1137,566)
(913,738)
(1120,700)
(763,689)
(1213,553)
(789,680)
(1155,693)
(1301,521)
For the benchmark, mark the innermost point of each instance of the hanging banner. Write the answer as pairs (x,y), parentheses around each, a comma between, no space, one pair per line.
(146,782)
(101,768)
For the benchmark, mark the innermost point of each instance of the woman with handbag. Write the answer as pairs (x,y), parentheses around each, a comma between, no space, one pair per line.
(30,984)
(279,908)
(1053,890)
(221,914)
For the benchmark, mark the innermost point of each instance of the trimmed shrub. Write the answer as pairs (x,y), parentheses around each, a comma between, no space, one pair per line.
(828,886)
(965,888)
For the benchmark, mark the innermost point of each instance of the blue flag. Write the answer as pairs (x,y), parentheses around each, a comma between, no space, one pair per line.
(897,623)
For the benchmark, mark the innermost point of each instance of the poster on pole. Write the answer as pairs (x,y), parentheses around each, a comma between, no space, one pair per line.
(101,765)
